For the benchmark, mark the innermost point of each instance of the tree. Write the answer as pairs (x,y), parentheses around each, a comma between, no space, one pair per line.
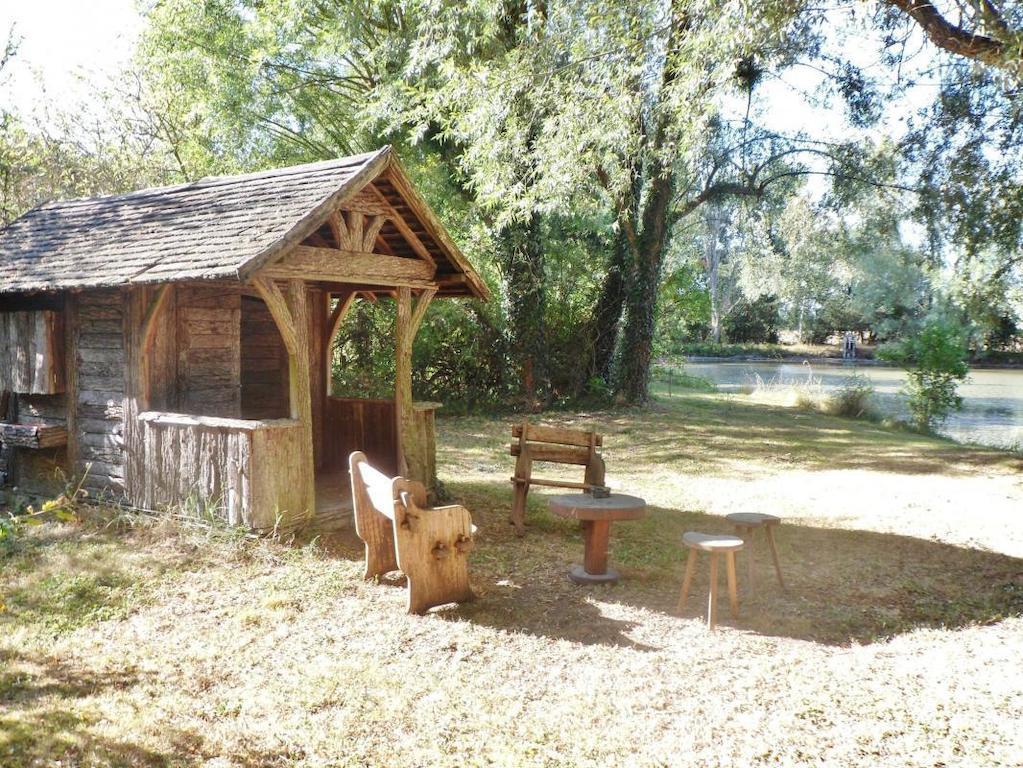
(935,362)
(557,135)
(985,32)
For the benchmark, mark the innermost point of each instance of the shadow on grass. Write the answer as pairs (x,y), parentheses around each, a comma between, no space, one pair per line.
(41,722)
(844,586)
(45,719)
(553,608)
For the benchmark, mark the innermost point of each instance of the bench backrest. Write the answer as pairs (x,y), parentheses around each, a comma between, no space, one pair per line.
(537,434)
(372,487)
(555,444)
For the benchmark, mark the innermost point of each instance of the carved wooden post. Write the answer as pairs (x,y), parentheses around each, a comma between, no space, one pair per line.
(134,392)
(291,316)
(411,447)
(299,378)
(403,376)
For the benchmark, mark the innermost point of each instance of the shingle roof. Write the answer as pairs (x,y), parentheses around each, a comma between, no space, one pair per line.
(217,227)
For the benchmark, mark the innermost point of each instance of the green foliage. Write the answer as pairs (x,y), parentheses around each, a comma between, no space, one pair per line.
(684,310)
(935,361)
(568,116)
(19,513)
(709,349)
(754,322)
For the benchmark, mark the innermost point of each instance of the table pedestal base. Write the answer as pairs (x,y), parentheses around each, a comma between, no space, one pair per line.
(578,574)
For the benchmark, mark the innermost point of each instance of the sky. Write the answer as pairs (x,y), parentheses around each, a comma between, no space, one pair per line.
(65,45)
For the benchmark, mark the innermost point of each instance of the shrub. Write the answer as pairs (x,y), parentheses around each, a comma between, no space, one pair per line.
(853,399)
(935,361)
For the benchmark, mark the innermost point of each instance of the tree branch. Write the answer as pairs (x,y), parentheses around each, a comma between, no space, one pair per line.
(959,40)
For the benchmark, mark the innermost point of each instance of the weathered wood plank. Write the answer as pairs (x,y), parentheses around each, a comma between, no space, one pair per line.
(540,434)
(42,409)
(33,435)
(342,266)
(32,352)
(246,471)
(559,454)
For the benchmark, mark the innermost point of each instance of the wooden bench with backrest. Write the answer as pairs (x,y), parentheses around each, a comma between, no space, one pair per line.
(430,545)
(553,445)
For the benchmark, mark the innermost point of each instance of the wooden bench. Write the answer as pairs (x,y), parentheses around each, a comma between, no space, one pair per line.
(430,545)
(553,445)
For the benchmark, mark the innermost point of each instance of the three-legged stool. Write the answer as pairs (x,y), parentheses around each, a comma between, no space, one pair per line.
(747,522)
(714,545)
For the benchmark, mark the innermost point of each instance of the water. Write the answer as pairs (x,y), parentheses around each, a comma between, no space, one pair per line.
(992,411)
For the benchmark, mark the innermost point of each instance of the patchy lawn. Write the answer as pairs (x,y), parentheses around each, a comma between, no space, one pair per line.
(898,642)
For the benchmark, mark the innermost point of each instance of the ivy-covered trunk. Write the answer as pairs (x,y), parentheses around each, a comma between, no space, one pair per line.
(608,311)
(635,350)
(522,261)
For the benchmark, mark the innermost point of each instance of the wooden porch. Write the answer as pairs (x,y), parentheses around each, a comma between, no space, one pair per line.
(189,337)
(254,466)
(275,451)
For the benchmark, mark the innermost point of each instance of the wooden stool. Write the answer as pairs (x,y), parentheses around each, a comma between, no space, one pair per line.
(713,544)
(745,523)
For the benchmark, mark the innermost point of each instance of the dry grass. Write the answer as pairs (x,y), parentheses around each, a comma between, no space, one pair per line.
(898,642)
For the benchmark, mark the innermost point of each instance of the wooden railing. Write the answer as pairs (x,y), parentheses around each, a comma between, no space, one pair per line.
(246,471)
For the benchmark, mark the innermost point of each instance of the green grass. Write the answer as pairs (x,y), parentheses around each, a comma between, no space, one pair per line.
(896,642)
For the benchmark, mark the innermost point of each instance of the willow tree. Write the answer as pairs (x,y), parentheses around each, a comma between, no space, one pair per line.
(611,113)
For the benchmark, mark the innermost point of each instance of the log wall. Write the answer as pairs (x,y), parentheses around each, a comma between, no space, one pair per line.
(247,472)
(208,345)
(264,364)
(99,363)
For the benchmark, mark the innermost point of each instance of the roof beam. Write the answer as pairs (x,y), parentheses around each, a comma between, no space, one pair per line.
(403,228)
(339,266)
(396,175)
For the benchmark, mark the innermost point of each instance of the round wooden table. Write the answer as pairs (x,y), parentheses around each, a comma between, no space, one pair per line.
(596,515)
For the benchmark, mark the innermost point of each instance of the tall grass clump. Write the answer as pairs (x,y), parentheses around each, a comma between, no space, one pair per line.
(853,400)
(803,392)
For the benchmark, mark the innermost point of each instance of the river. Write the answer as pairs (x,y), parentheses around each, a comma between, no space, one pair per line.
(992,412)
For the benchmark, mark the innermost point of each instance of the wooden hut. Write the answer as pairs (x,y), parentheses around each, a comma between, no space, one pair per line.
(173,345)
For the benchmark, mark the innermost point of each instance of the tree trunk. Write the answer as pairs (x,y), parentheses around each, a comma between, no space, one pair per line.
(636,340)
(522,261)
(608,311)
(635,350)
(713,223)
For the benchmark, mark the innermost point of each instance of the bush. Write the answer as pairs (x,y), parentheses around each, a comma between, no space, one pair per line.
(935,361)
(853,399)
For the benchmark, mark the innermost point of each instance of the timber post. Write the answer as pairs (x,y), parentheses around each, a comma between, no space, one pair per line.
(291,316)
(411,458)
